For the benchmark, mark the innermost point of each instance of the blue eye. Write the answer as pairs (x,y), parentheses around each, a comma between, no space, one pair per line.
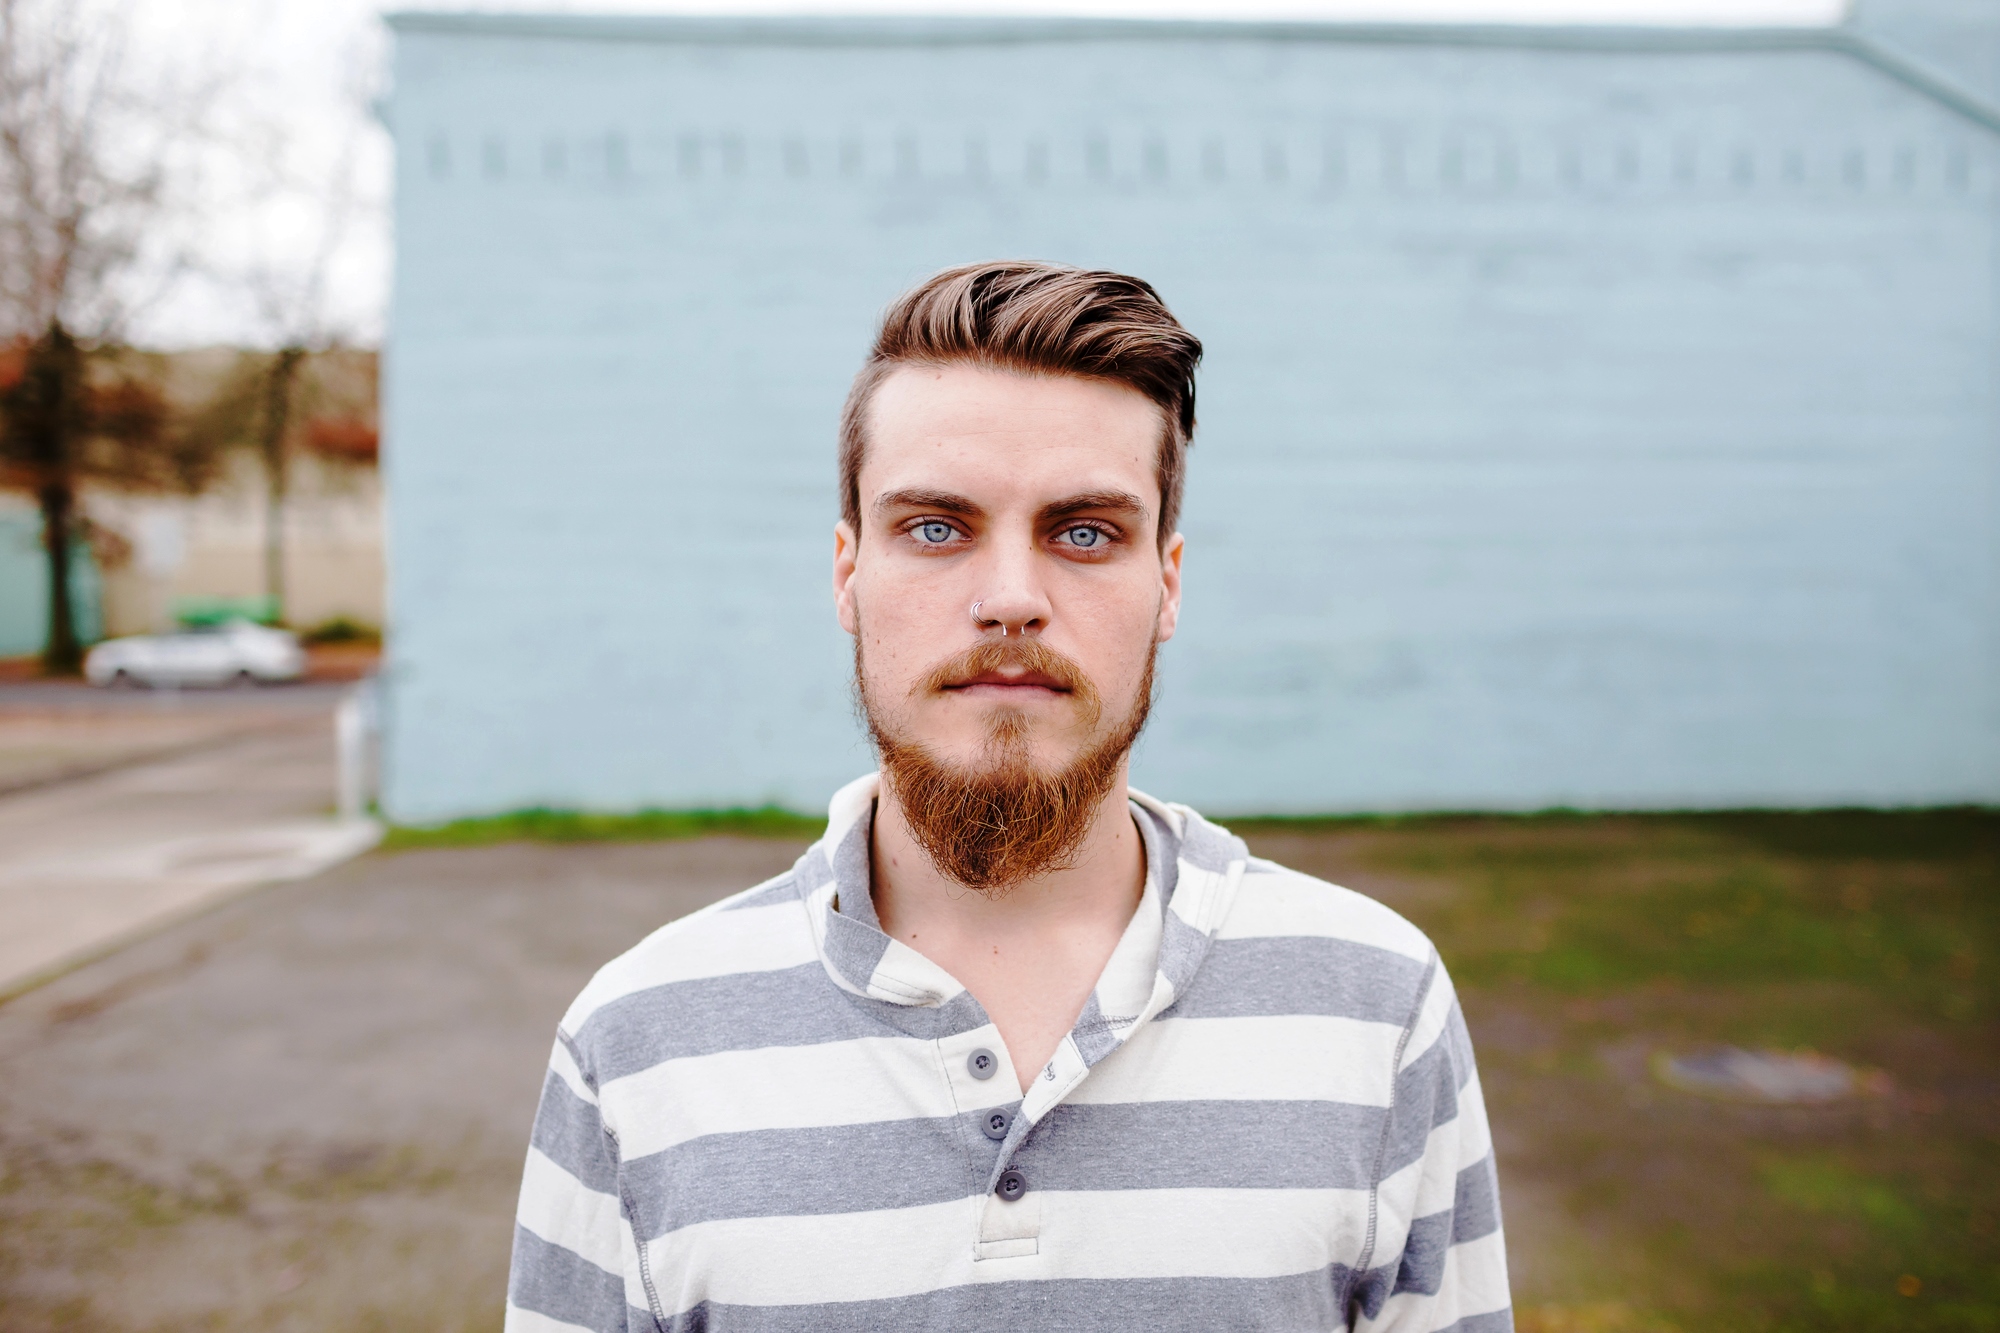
(1084,537)
(936,534)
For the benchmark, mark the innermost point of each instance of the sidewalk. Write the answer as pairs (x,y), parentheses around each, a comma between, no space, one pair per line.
(244,797)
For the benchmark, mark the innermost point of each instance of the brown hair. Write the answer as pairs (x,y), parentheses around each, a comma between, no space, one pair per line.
(1039,319)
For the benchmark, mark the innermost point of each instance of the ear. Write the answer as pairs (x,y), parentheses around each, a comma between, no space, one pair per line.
(1170,586)
(846,548)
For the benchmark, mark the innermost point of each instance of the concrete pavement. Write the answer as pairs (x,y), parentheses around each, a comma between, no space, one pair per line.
(132,811)
(306,1110)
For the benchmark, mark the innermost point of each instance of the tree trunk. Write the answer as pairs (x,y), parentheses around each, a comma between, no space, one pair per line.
(62,653)
(45,420)
(277,422)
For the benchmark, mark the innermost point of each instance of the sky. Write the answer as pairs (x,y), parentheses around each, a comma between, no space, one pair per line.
(284,229)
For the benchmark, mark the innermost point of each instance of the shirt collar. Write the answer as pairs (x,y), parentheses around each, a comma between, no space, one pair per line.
(1192,869)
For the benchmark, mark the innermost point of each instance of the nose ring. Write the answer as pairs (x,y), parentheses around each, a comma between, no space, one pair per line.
(980,621)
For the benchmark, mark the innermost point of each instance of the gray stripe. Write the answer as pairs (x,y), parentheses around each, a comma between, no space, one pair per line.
(1475,1209)
(1203,1145)
(1461,1044)
(1163,852)
(1426,1097)
(1211,847)
(1499,1321)
(812,869)
(562,1284)
(1421,1269)
(569,1131)
(778,889)
(961,1013)
(852,870)
(1097,1036)
(745,1011)
(905,1163)
(1182,948)
(854,947)
(576,1054)
(808,1172)
(1475,1213)
(1153,1305)
(792,1006)
(1371,1289)
(1302,974)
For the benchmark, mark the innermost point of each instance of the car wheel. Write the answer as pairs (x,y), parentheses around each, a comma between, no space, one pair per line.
(121,679)
(243,680)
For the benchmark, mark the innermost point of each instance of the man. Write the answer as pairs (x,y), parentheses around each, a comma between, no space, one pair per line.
(1013,1047)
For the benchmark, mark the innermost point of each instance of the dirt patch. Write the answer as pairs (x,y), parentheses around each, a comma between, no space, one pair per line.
(1585,947)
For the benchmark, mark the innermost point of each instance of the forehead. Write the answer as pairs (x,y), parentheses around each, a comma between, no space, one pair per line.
(1009,435)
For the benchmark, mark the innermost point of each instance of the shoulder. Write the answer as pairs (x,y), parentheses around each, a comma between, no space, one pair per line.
(1274,901)
(1301,945)
(759,932)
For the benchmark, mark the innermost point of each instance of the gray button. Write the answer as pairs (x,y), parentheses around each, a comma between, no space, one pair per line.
(1011,1187)
(982,1063)
(994,1125)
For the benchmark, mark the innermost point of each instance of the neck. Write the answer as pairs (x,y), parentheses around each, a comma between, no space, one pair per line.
(1032,955)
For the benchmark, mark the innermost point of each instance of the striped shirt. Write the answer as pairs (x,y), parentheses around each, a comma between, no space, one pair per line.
(772,1116)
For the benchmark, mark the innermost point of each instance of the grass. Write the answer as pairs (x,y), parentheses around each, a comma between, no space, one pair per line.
(579,826)
(1582,945)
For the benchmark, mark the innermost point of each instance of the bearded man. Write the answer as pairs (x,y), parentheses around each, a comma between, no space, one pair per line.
(1014,1046)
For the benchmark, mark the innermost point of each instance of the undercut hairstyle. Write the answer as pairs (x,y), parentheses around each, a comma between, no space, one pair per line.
(1036,319)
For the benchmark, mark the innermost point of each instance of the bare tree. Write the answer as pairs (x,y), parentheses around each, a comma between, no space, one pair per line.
(85,157)
(291,303)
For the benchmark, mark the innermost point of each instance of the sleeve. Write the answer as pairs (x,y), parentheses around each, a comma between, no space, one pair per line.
(570,1233)
(1440,1259)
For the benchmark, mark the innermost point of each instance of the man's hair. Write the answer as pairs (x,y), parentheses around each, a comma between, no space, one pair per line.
(1037,319)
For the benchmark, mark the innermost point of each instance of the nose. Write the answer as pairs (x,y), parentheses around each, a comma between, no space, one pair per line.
(1012,599)
(986,620)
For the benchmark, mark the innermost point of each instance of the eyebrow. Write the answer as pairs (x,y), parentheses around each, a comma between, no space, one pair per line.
(1116,502)
(943,502)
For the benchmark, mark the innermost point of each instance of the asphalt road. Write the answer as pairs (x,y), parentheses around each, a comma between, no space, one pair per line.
(307,1109)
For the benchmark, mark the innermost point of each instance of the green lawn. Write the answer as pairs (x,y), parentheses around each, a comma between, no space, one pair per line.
(1584,945)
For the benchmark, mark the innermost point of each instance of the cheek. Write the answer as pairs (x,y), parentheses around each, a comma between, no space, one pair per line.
(1116,632)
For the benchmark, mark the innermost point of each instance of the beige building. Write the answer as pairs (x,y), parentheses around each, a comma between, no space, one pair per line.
(185,549)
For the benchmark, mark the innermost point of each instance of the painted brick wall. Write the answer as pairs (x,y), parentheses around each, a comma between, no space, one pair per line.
(1600,427)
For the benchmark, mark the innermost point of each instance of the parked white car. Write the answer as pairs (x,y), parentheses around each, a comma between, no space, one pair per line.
(235,653)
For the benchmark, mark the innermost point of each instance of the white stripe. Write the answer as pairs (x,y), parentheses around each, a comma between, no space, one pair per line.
(527,1321)
(776,1087)
(1475,1282)
(563,1065)
(1288,903)
(1430,1183)
(1100,1234)
(1243,1233)
(902,975)
(1289,1057)
(708,944)
(1475,1136)
(1429,1029)
(563,1211)
(818,1257)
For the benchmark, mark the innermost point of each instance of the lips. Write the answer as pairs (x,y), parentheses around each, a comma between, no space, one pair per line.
(1026,680)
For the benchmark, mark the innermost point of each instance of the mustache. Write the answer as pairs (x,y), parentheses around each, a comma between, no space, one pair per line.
(995,655)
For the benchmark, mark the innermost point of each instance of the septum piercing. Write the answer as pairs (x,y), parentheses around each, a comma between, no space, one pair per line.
(977,620)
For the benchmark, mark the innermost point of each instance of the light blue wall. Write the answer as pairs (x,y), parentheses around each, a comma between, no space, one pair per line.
(1610,427)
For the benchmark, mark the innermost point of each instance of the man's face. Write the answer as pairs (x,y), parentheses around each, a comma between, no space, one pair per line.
(1037,498)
